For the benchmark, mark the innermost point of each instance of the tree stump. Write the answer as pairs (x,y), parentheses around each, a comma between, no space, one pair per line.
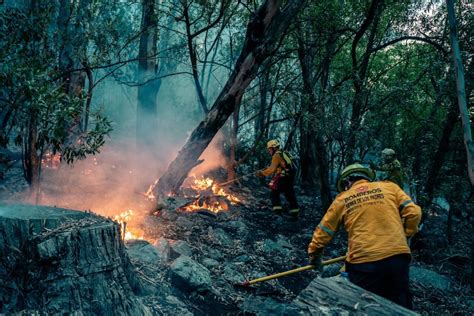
(338,296)
(57,261)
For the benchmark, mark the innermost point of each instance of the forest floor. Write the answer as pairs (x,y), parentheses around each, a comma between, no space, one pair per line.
(194,260)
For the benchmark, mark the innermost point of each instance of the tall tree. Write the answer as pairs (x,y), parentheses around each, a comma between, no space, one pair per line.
(149,85)
(462,102)
(264,31)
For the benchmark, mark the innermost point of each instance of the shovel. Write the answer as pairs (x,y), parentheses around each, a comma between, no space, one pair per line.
(289,272)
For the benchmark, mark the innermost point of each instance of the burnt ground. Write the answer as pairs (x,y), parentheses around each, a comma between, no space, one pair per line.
(249,241)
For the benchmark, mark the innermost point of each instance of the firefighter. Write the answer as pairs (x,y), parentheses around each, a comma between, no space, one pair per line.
(283,179)
(391,167)
(379,218)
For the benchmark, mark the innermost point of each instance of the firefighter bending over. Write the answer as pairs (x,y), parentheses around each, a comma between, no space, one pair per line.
(283,179)
(379,217)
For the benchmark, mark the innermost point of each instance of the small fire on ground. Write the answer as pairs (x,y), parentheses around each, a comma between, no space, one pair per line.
(209,196)
(127,232)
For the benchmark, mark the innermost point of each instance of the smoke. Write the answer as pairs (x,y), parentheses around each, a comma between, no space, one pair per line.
(212,156)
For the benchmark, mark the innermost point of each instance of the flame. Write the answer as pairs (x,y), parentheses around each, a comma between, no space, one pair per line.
(127,232)
(149,193)
(212,204)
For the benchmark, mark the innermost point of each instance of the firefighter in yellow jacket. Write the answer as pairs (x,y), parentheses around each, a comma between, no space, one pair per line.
(379,218)
(283,179)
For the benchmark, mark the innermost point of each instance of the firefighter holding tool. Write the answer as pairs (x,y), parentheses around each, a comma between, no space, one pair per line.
(379,217)
(283,178)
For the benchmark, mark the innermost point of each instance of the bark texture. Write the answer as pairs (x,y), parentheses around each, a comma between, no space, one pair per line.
(262,37)
(58,261)
(147,74)
(337,296)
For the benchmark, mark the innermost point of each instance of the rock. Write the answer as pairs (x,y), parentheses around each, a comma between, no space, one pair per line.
(429,278)
(268,306)
(184,223)
(232,275)
(176,307)
(181,248)
(219,236)
(215,254)
(242,259)
(210,263)
(168,215)
(331,270)
(470,303)
(143,251)
(442,203)
(270,247)
(239,226)
(283,242)
(164,249)
(189,275)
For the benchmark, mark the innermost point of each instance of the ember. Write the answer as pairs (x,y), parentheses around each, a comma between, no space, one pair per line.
(51,160)
(127,233)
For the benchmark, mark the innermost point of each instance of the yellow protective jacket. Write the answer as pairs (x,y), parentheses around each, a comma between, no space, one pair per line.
(278,165)
(378,217)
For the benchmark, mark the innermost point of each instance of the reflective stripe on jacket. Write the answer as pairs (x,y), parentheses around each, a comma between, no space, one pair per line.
(378,216)
(278,165)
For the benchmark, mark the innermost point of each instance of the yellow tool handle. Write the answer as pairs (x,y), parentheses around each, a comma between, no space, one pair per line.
(289,272)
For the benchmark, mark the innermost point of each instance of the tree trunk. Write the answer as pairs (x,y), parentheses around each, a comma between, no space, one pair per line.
(73,44)
(338,296)
(461,90)
(147,72)
(263,33)
(314,160)
(193,58)
(360,75)
(438,159)
(58,261)
(233,144)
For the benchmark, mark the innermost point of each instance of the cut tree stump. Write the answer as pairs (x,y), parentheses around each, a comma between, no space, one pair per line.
(58,261)
(338,296)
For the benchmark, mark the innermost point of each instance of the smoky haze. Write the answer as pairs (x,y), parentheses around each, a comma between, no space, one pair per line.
(116,179)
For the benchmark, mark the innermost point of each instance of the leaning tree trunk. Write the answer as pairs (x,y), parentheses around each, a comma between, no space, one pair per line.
(58,261)
(263,33)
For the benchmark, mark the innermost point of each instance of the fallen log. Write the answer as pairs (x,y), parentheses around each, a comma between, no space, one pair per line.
(338,296)
(58,261)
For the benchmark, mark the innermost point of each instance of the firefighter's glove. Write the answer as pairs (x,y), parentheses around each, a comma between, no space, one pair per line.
(315,259)
(259,173)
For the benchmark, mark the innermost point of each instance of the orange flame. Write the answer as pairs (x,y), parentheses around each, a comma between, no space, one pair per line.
(127,233)
(149,193)
(212,204)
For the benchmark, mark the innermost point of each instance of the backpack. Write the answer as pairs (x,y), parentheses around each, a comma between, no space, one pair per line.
(291,163)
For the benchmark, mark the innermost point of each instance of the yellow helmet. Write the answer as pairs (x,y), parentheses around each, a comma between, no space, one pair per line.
(353,170)
(388,152)
(273,143)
